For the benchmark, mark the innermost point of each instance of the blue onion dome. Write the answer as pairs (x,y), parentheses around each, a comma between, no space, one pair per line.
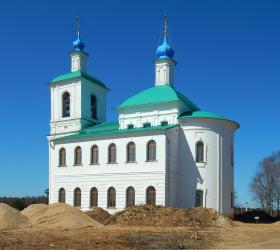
(78,44)
(164,50)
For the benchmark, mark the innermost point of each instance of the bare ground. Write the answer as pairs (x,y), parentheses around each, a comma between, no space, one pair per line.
(113,237)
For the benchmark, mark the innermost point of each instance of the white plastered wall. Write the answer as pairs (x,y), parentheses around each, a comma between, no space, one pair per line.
(140,174)
(215,175)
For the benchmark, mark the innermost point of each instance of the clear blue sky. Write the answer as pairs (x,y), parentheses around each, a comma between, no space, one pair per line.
(228,55)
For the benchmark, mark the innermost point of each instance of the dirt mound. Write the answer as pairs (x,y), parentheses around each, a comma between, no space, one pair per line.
(146,215)
(59,216)
(34,210)
(99,214)
(11,218)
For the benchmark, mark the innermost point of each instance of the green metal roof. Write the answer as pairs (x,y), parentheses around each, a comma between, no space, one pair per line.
(111,128)
(78,74)
(157,94)
(203,114)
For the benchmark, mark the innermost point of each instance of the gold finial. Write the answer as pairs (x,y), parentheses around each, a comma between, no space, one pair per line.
(78,26)
(165,25)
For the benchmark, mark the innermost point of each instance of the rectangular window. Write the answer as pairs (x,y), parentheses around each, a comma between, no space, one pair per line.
(146,125)
(163,123)
(130,126)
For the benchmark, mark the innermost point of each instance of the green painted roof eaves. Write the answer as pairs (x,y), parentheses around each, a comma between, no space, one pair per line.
(201,114)
(204,114)
(111,129)
(157,94)
(78,74)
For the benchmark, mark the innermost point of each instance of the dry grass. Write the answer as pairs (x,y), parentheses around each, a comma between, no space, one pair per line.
(261,236)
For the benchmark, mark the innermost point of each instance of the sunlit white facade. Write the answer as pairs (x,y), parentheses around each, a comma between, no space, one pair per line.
(163,149)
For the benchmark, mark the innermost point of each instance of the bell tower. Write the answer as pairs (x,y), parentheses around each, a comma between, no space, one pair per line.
(78,100)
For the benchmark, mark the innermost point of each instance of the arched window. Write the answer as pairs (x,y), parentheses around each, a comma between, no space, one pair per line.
(66,105)
(151,151)
(62,157)
(130,197)
(94,197)
(93,107)
(77,197)
(199,152)
(61,195)
(130,152)
(199,198)
(94,155)
(111,202)
(112,153)
(151,195)
(78,156)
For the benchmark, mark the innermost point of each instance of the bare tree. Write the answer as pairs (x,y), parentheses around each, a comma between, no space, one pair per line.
(265,185)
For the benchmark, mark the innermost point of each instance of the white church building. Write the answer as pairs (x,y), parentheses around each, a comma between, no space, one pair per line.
(163,149)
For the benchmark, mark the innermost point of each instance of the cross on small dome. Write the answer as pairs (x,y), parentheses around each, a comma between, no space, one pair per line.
(165,50)
(78,44)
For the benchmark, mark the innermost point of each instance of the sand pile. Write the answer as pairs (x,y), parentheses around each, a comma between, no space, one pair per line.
(11,218)
(34,210)
(169,217)
(99,214)
(58,216)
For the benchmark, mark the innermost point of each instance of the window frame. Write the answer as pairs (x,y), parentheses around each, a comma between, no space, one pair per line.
(164,123)
(77,199)
(111,203)
(93,194)
(76,162)
(61,196)
(147,125)
(130,197)
(153,151)
(200,193)
(66,112)
(94,151)
(93,108)
(112,158)
(130,126)
(130,156)
(199,155)
(60,161)
(151,200)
